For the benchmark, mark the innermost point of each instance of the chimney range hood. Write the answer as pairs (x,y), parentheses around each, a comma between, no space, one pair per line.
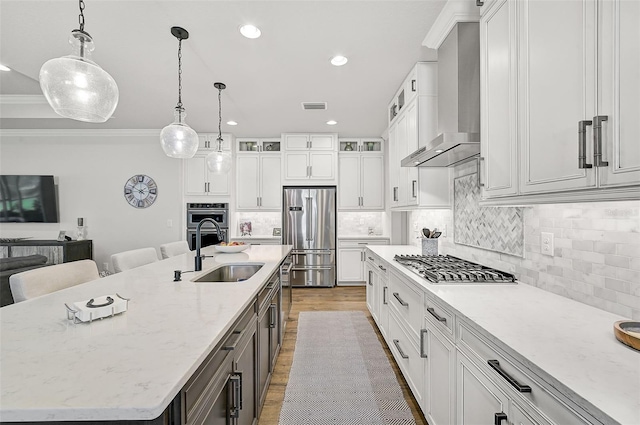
(458,102)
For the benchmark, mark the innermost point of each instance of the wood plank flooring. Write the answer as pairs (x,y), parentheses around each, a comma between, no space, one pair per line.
(322,299)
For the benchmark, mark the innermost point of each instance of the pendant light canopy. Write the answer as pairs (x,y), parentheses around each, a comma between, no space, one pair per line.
(75,86)
(178,140)
(219,162)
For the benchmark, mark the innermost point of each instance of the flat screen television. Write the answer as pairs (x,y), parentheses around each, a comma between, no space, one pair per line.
(28,199)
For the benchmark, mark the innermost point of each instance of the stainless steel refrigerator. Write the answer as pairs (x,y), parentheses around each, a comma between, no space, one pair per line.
(309,224)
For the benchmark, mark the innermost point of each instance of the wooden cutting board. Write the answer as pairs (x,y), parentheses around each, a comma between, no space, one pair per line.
(628,332)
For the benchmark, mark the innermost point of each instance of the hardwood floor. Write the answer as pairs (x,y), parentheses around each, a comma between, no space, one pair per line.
(321,299)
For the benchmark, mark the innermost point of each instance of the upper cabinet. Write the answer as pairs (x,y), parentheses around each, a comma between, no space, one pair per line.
(361,174)
(258,166)
(198,180)
(309,157)
(416,123)
(560,99)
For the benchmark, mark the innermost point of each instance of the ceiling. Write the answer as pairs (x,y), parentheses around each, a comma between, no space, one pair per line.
(267,78)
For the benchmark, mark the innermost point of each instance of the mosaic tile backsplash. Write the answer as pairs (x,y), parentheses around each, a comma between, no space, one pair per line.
(495,229)
(596,254)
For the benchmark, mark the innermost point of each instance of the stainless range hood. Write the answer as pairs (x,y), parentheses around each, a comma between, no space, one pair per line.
(458,102)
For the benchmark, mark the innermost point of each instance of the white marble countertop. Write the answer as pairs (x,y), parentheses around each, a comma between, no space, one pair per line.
(568,344)
(248,238)
(363,237)
(126,367)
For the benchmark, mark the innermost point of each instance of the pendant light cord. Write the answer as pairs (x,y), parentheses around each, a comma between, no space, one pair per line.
(219,120)
(81,15)
(179,106)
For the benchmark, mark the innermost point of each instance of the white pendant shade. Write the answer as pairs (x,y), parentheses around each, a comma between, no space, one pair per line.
(178,140)
(76,87)
(219,162)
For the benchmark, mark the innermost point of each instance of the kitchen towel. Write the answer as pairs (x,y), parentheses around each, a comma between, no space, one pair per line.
(341,375)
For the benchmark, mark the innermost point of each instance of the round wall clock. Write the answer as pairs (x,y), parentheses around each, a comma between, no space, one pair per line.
(140,191)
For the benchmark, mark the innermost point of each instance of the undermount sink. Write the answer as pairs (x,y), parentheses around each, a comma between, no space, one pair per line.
(230,273)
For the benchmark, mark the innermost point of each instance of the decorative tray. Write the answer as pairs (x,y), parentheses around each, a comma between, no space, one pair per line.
(628,332)
(97,308)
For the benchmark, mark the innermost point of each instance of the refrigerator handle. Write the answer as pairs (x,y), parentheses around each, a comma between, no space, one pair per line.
(309,209)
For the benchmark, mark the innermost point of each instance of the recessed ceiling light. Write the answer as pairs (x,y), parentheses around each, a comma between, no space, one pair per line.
(339,60)
(439,151)
(232,123)
(250,31)
(332,122)
(4,68)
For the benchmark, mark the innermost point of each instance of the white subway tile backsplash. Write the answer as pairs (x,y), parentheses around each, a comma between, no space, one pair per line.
(597,252)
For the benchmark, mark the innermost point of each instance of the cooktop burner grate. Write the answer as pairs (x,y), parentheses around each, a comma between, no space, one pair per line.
(449,269)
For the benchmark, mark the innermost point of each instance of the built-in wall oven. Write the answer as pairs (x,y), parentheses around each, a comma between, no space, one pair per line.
(196,212)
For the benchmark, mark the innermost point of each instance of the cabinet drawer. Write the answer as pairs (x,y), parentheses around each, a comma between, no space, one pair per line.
(530,391)
(407,356)
(407,302)
(441,316)
(342,243)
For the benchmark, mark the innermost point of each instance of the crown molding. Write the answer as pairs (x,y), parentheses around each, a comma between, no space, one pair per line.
(453,12)
(70,132)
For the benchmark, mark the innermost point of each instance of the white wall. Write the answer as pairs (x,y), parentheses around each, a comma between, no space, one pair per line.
(596,257)
(90,169)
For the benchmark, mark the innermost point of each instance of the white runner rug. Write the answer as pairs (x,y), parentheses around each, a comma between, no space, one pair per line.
(341,375)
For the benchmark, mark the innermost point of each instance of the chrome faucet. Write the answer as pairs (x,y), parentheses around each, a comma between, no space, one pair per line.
(198,265)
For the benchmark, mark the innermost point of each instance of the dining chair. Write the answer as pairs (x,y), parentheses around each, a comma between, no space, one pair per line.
(44,280)
(172,249)
(135,258)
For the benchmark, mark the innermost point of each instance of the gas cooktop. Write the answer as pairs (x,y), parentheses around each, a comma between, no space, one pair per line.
(445,269)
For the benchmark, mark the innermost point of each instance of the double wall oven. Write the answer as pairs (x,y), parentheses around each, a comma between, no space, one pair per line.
(196,212)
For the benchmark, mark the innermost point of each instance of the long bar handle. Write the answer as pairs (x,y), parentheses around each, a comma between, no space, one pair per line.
(436,315)
(413,85)
(499,417)
(480,160)
(382,268)
(384,295)
(370,278)
(423,334)
(597,140)
(495,365)
(272,315)
(236,395)
(233,346)
(396,342)
(414,192)
(400,300)
(395,193)
(582,144)
(309,238)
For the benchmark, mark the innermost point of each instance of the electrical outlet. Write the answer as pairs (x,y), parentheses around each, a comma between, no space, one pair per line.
(169,223)
(546,243)
(415,226)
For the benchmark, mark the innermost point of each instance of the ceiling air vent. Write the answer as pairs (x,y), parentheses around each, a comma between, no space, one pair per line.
(314,105)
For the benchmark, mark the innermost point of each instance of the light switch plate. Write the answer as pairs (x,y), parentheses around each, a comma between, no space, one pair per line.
(546,243)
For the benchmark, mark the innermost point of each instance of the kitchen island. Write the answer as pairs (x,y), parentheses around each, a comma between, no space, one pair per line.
(566,346)
(130,366)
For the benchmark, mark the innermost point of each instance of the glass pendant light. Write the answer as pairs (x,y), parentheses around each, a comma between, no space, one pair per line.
(178,140)
(219,162)
(75,86)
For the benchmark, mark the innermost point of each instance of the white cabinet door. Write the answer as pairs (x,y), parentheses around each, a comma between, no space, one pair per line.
(322,165)
(556,91)
(440,377)
(195,175)
(401,149)
(271,184)
(411,146)
(619,91)
(296,165)
(372,182)
(247,181)
(349,181)
(296,141)
(478,399)
(498,65)
(394,167)
(383,304)
(350,265)
(219,184)
(322,142)
(371,294)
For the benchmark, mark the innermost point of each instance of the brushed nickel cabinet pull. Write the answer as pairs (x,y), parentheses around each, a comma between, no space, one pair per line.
(597,140)
(400,300)
(396,342)
(582,144)
(414,192)
(384,295)
(480,160)
(423,333)
(436,315)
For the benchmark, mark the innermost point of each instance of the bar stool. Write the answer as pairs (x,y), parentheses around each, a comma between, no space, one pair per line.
(37,282)
(135,258)
(172,249)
